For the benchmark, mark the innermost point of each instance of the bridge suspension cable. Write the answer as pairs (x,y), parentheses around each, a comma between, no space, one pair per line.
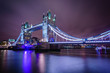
(63,35)
(17,40)
(99,37)
(66,34)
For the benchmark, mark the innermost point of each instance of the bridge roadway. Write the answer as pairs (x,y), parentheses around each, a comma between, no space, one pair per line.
(82,42)
(34,27)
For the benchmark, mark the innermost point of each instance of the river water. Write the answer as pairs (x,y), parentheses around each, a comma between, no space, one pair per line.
(32,62)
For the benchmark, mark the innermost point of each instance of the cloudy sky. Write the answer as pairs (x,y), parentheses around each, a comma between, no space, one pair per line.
(79,18)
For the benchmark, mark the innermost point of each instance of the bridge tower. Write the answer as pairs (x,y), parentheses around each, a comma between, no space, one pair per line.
(25,35)
(22,35)
(48,35)
(45,29)
(52,35)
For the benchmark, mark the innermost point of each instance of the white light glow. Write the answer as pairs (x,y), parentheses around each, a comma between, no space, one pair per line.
(62,36)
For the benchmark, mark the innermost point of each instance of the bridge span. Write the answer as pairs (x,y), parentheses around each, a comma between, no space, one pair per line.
(53,35)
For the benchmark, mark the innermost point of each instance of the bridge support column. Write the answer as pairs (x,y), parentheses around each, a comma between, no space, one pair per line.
(22,36)
(45,32)
(25,35)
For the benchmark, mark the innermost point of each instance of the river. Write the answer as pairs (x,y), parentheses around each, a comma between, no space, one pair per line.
(31,62)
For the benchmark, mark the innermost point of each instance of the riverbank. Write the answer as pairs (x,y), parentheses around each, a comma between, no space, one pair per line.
(72,52)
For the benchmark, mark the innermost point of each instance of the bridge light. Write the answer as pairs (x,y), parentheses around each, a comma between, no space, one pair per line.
(43,15)
(62,36)
(54,18)
(31,25)
(49,14)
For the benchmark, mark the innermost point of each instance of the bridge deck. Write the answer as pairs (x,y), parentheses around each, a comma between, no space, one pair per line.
(82,42)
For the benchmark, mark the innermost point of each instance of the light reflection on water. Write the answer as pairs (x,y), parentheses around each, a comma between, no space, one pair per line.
(42,63)
(26,62)
(31,62)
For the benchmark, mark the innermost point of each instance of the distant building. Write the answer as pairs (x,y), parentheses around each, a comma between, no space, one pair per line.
(4,44)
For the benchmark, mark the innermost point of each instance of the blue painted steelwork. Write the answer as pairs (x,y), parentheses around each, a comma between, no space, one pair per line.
(63,36)
(66,34)
(16,40)
(48,26)
(34,28)
(44,33)
(75,42)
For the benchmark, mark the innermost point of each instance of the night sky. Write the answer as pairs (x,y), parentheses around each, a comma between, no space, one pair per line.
(79,18)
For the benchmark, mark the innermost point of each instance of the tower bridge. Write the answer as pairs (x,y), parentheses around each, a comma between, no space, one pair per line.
(53,35)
